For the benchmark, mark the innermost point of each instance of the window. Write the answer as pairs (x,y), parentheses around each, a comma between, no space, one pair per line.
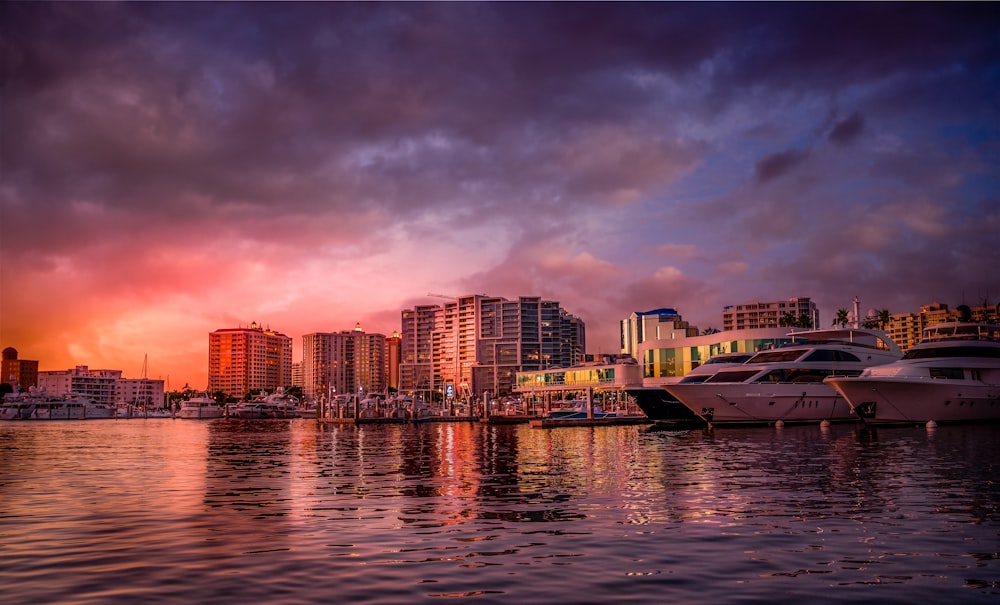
(773,356)
(732,376)
(831,355)
(947,373)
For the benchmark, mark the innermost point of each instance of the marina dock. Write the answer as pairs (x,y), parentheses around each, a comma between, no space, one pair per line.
(553,423)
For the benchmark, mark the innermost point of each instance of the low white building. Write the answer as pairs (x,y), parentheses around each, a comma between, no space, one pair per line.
(103,386)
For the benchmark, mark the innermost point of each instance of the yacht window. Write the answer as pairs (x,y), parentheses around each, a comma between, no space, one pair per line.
(949,373)
(694,379)
(732,376)
(831,355)
(728,359)
(773,356)
(987,352)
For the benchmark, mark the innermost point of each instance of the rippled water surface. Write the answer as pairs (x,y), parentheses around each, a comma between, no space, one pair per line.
(226,511)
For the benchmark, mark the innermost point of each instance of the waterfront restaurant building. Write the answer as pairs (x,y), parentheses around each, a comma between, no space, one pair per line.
(662,360)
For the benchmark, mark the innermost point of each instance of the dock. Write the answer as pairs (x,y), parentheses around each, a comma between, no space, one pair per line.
(552,423)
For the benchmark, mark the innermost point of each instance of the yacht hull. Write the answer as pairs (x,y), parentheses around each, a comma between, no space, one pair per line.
(918,401)
(725,404)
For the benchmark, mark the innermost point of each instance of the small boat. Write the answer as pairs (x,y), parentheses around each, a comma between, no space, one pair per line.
(308,409)
(785,384)
(576,409)
(952,376)
(202,406)
(128,410)
(38,405)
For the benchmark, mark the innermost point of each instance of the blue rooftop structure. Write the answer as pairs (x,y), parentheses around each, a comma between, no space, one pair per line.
(661,311)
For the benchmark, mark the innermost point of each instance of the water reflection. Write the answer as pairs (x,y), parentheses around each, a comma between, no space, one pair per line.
(235,511)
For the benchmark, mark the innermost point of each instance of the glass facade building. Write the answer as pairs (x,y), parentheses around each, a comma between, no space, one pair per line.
(663,360)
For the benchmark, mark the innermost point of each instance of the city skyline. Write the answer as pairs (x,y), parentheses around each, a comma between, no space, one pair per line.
(170,169)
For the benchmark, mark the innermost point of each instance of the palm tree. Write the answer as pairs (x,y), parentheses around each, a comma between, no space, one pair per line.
(842,319)
(884,318)
(788,320)
(804,321)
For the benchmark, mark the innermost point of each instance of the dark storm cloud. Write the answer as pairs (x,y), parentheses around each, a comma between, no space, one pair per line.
(778,164)
(847,130)
(566,135)
(259,103)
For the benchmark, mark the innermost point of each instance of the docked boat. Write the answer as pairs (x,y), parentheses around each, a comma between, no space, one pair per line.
(201,407)
(127,411)
(785,384)
(953,375)
(38,405)
(577,409)
(267,406)
(308,409)
(661,407)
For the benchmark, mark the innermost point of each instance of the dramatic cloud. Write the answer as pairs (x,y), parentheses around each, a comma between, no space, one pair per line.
(848,129)
(168,169)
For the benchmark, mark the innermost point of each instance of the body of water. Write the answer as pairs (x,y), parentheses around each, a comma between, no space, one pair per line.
(289,511)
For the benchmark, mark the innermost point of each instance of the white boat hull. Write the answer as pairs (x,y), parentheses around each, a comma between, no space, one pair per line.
(57,411)
(201,412)
(755,404)
(920,400)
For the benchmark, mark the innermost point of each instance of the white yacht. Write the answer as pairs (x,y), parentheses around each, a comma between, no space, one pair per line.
(276,405)
(785,384)
(953,375)
(201,407)
(38,405)
(660,406)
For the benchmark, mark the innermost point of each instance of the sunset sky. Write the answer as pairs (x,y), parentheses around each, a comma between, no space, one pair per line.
(172,169)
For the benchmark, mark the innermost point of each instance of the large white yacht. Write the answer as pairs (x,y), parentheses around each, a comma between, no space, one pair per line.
(785,384)
(38,405)
(201,406)
(953,375)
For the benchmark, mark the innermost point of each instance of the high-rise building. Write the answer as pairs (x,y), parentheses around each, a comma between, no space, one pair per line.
(658,324)
(245,359)
(343,362)
(22,372)
(783,313)
(415,373)
(393,354)
(478,343)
